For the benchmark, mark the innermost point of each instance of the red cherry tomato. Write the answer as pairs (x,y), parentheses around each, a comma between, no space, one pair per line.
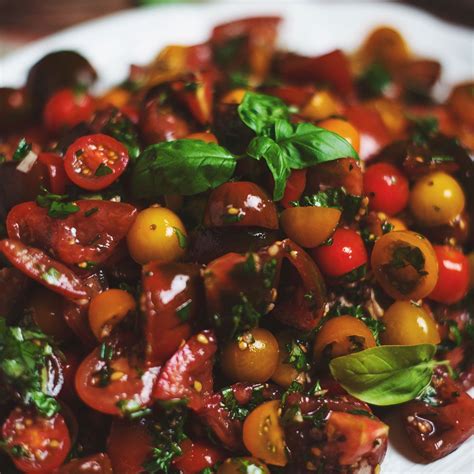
(197,456)
(294,187)
(103,381)
(95,464)
(57,174)
(240,203)
(346,253)
(44,442)
(37,265)
(386,187)
(69,364)
(453,275)
(188,374)
(67,108)
(93,162)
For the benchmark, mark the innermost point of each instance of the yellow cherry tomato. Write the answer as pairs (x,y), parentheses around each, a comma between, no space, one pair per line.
(285,372)
(263,435)
(157,234)
(252,358)
(407,323)
(107,309)
(309,226)
(235,96)
(243,465)
(321,105)
(343,128)
(436,199)
(340,336)
(405,265)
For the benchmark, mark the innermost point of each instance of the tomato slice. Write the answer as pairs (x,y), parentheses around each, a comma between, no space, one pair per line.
(84,239)
(188,374)
(35,443)
(294,187)
(102,382)
(197,456)
(38,266)
(95,464)
(57,174)
(93,162)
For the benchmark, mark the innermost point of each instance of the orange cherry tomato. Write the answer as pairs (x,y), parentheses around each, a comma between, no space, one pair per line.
(343,128)
(263,435)
(207,137)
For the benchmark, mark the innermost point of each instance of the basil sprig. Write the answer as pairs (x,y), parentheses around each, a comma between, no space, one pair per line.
(386,375)
(184,167)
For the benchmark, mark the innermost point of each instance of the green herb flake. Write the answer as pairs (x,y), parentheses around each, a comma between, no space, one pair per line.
(103,170)
(297,355)
(182,238)
(374,80)
(22,149)
(91,211)
(52,276)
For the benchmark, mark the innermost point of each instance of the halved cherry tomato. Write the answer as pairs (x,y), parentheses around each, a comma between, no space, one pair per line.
(196,456)
(37,265)
(453,275)
(95,464)
(294,187)
(171,301)
(386,187)
(85,238)
(240,203)
(35,443)
(105,380)
(188,374)
(344,254)
(66,108)
(93,162)
(263,436)
(57,174)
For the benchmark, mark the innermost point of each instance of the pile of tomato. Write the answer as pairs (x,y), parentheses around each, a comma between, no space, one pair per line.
(181,321)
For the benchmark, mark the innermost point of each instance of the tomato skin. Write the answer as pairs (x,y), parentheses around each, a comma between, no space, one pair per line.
(95,464)
(240,203)
(344,129)
(66,108)
(84,157)
(386,187)
(346,253)
(49,437)
(291,95)
(38,266)
(188,373)
(294,187)
(57,174)
(453,275)
(196,456)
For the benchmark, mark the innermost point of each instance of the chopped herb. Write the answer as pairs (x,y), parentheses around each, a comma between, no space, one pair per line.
(57,204)
(91,211)
(249,267)
(122,129)
(430,397)
(423,128)
(232,218)
(374,80)
(229,402)
(184,311)
(357,411)
(355,275)
(106,352)
(22,150)
(295,387)
(268,272)
(51,276)
(132,409)
(182,239)
(238,79)
(437,159)
(297,355)
(103,170)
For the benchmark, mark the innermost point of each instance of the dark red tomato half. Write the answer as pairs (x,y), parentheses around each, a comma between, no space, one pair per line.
(94,162)
(386,187)
(294,187)
(57,175)
(102,382)
(35,443)
(95,464)
(38,266)
(172,298)
(128,446)
(197,456)
(188,374)
(240,203)
(89,235)
(346,253)
(453,275)
(66,108)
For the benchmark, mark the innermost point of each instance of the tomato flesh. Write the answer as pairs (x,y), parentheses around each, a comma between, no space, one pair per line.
(197,456)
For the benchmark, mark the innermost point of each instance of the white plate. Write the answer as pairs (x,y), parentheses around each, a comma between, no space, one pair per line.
(135,36)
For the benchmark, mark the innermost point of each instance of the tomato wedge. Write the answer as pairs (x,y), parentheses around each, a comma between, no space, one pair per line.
(35,443)
(57,175)
(38,266)
(94,162)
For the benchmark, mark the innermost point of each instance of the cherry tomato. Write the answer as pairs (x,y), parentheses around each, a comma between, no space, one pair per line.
(285,373)
(95,464)
(294,187)
(188,374)
(407,323)
(453,275)
(57,174)
(323,104)
(253,357)
(235,96)
(263,435)
(35,443)
(471,269)
(38,266)
(240,203)
(344,254)
(94,162)
(104,380)
(196,456)
(69,364)
(171,301)
(244,465)
(107,309)
(66,108)
(405,265)
(343,128)
(340,336)
(386,187)
(298,95)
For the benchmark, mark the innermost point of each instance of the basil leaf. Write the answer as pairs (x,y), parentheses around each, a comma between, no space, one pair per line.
(386,375)
(183,167)
(260,111)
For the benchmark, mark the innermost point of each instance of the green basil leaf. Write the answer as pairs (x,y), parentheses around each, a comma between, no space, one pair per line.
(260,111)
(386,375)
(183,167)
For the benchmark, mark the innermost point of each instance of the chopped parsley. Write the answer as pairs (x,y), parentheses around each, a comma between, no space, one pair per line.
(355,275)
(22,150)
(183,311)
(423,128)
(297,355)
(132,409)
(103,170)
(182,239)
(91,211)
(236,410)
(57,204)
(51,276)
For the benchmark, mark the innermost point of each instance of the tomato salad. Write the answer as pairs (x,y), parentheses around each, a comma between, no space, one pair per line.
(239,260)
